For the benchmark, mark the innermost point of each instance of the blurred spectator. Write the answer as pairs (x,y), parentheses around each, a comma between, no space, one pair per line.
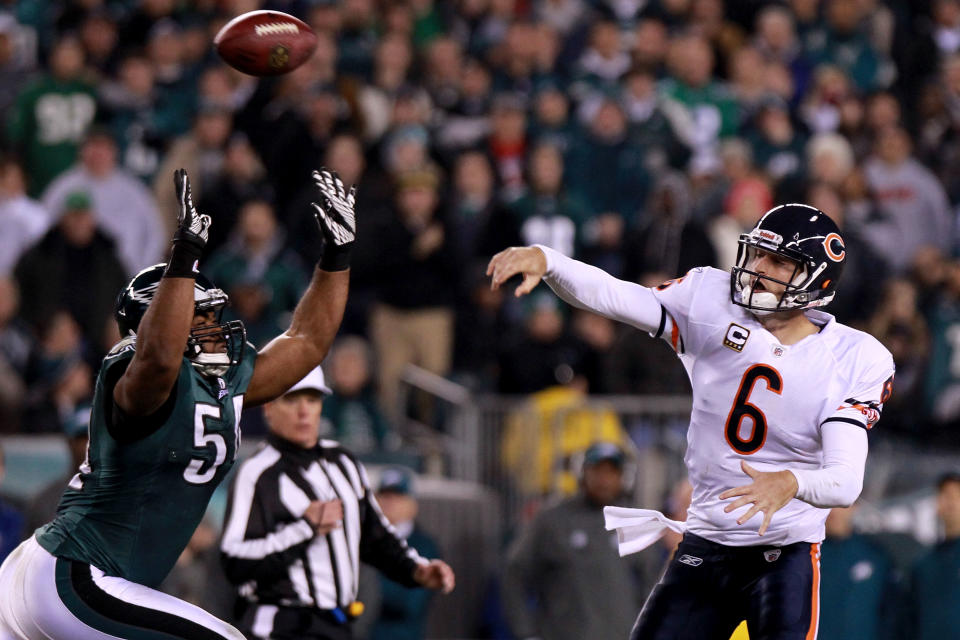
(602,64)
(164,48)
(706,107)
(829,158)
(913,207)
(140,116)
(747,81)
(649,126)
(16,348)
(242,178)
(200,152)
(935,599)
(466,125)
(507,143)
(263,279)
(75,267)
(547,213)
(567,565)
(60,378)
(52,114)
(840,41)
(860,597)
(99,36)
(550,117)
(544,354)
(122,206)
(417,275)
(197,577)
(605,168)
(943,375)
(777,40)
(443,62)
(821,109)
(22,219)
(403,612)
(391,67)
(777,145)
(482,320)
(352,409)
(747,197)
(345,155)
(899,325)
(666,242)
(17,61)
(479,223)
(651,43)
(357,38)
(857,294)
(11,520)
(938,112)
(43,505)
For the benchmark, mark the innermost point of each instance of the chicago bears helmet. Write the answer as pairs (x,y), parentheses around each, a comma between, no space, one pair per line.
(806,236)
(133,301)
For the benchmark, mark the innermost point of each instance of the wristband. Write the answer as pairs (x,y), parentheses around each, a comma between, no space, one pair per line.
(184,260)
(335,258)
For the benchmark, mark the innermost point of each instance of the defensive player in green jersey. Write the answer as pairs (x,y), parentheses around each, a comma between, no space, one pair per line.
(164,431)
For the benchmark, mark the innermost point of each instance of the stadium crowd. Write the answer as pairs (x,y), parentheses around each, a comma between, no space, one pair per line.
(641,136)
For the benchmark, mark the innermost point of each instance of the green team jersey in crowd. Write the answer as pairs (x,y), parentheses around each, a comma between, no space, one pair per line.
(47,124)
(134,505)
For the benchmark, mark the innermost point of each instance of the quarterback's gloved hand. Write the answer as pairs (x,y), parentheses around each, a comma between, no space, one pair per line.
(337,219)
(193,231)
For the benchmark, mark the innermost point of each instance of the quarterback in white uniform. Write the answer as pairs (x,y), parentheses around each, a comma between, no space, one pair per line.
(783,397)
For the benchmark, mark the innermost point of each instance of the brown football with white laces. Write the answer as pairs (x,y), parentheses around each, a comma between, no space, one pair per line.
(265,43)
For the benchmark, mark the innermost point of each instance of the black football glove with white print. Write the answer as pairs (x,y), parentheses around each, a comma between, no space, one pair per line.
(193,231)
(192,228)
(337,219)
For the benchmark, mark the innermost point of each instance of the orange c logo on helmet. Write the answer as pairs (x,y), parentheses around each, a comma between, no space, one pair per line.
(828,245)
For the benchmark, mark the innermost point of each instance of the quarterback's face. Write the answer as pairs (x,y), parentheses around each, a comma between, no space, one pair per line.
(772,265)
(296,417)
(214,343)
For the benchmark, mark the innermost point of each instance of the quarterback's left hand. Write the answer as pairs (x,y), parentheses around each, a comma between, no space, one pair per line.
(436,574)
(769,492)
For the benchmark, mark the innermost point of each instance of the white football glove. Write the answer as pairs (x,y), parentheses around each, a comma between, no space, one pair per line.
(335,211)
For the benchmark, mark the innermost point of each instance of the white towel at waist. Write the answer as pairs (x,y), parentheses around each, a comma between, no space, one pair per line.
(637,529)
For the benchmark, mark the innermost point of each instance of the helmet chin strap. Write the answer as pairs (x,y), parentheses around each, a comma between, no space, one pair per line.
(762,303)
(211,364)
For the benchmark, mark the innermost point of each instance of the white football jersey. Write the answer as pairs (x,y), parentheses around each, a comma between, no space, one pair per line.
(755,399)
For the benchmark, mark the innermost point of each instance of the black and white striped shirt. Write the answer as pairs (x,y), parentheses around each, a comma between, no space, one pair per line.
(274,554)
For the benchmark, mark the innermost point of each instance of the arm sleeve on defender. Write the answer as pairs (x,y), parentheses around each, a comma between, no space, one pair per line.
(590,288)
(839,481)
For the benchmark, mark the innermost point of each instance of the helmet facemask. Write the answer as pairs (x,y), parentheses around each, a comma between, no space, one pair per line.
(795,295)
(231,334)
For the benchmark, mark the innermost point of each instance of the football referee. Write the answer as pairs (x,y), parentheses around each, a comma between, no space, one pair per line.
(300,518)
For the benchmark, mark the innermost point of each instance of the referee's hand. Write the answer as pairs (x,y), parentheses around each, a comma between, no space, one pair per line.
(324,516)
(436,574)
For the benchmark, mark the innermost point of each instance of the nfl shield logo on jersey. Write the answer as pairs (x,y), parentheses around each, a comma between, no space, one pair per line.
(771,555)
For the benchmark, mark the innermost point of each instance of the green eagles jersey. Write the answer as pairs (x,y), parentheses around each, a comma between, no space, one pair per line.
(134,505)
(47,125)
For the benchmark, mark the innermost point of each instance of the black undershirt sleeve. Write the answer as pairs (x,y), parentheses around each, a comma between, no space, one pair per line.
(123,427)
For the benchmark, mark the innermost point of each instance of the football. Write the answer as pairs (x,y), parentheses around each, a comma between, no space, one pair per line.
(265,43)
